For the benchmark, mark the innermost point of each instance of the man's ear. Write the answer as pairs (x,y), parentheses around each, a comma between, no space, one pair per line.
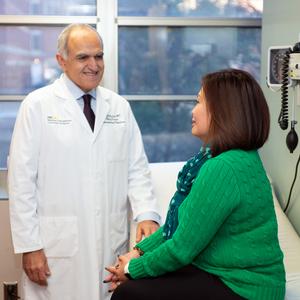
(61,61)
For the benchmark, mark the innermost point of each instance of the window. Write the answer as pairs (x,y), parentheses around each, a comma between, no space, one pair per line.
(155,54)
(165,47)
(175,58)
(8,111)
(191,8)
(44,7)
(166,127)
(27,58)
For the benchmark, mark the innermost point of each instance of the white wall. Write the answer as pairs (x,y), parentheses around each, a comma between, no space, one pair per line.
(281,26)
(10,264)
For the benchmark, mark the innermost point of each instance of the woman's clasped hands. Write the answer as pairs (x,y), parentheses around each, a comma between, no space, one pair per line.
(117,275)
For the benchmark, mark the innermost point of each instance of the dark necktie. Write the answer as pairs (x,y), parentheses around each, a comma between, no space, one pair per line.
(87,110)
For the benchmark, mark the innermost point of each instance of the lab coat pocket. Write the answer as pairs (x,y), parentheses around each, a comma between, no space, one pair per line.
(59,236)
(119,232)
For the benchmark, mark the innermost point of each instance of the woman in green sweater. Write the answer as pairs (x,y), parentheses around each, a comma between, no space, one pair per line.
(219,240)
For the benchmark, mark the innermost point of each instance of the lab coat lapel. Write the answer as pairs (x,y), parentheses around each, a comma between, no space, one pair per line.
(102,110)
(71,105)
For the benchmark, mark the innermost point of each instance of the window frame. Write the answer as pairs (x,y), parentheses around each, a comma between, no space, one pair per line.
(107,22)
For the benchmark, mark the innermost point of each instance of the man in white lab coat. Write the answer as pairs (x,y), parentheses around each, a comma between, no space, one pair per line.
(72,165)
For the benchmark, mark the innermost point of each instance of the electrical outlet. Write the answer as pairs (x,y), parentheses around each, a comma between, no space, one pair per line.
(10,290)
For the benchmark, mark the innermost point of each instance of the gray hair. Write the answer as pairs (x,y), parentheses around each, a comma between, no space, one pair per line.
(62,42)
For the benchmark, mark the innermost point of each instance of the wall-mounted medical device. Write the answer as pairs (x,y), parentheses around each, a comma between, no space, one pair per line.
(284,72)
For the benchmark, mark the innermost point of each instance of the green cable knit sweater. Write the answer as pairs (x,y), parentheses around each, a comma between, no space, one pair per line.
(227,227)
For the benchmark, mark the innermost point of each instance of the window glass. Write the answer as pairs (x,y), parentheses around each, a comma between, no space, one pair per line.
(27,59)
(191,8)
(165,126)
(8,113)
(166,129)
(171,60)
(48,7)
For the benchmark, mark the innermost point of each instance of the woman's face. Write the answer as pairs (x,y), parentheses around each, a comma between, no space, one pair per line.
(201,118)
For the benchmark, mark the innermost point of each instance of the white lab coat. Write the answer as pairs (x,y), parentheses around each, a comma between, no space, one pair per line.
(68,188)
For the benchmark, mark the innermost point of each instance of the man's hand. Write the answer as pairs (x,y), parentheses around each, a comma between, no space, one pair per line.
(145,228)
(36,267)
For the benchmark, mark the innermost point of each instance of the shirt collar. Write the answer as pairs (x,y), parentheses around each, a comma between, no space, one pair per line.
(75,90)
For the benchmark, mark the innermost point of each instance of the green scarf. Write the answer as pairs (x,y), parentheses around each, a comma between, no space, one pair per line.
(185,180)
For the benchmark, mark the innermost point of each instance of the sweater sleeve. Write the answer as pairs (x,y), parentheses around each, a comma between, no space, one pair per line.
(213,197)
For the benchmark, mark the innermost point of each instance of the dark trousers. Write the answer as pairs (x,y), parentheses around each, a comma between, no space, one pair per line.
(188,283)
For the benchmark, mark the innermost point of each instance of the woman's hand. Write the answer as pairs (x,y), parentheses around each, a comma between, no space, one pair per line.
(132,254)
(117,275)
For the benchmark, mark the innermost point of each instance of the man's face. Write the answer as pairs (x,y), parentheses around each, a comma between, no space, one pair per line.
(84,64)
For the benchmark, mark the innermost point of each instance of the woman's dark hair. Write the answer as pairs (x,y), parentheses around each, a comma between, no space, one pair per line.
(240,117)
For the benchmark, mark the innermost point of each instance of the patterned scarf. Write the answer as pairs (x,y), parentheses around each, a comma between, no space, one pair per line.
(185,180)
